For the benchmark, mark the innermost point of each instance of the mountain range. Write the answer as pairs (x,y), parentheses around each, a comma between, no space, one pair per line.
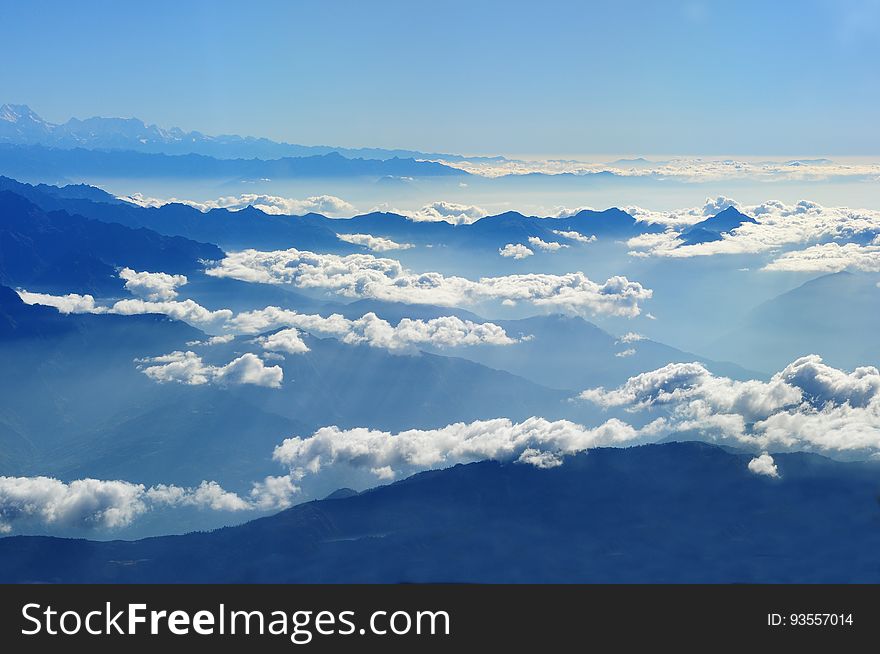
(672,513)
(252,228)
(20,125)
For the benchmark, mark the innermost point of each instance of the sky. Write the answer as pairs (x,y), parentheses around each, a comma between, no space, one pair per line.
(548,78)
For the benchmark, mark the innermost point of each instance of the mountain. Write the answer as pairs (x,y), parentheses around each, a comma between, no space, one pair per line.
(46,163)
(20,125)
(670,513)
(835,316)
(253,228)
(712,228)
(572,353)
(56,250)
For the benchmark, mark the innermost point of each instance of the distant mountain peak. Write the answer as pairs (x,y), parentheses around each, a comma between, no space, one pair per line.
(15,112)
(712,228)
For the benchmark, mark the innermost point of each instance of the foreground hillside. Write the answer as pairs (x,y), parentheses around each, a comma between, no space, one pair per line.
(677,512)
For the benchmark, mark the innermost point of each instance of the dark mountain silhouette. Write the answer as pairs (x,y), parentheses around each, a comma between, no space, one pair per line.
(712,228)
(677,512)
(56,250)
(252,228)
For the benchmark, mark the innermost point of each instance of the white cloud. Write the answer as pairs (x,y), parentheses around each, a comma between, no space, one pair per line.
(764,465)
(213,340)
(544,245)
(809,405)
(534,441)
(270,204)
(568,212)
(445,331)
(186,310)
(96,504)
(102,504)
(273,493)
(70,303)
(374,243)
(829,257)
(515,251)
(450,212)
(683,169)
(367,276)
(286,340)
(188,368)
(626,353)
(574,236)
(150,285)
(631,337)
(777,226)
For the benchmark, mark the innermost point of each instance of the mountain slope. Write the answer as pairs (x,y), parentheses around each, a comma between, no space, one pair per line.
(252,228)
(835,316)
(678,512)
(41,162)
(71,253)
(713,227)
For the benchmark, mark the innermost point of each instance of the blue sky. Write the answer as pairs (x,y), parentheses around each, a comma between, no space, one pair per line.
(548,78)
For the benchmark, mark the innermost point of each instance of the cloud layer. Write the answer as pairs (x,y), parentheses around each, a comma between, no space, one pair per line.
(445,331)
(367,276)
(808,406)
(189,368)
(102,504)
(449,212)
(837,237)
(328,205)
(374,243)
(152,286)
(535,441)
(515,251)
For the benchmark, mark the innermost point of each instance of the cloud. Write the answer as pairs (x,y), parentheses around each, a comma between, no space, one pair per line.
(543,245)
(574,236)
(515,251)
(270,204)
(70,303)
(829,257)
(286,340)
(445,331)
(681,168)
(374,243)
(150,285)
(367,276)
(103,504)
(450,212)
(808,406)
(534,441)
(763,465)
(630,337)
(213,340)
(567,212)
(778,226)
(188,368)
(188,311)
(626,353)
(96,504)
